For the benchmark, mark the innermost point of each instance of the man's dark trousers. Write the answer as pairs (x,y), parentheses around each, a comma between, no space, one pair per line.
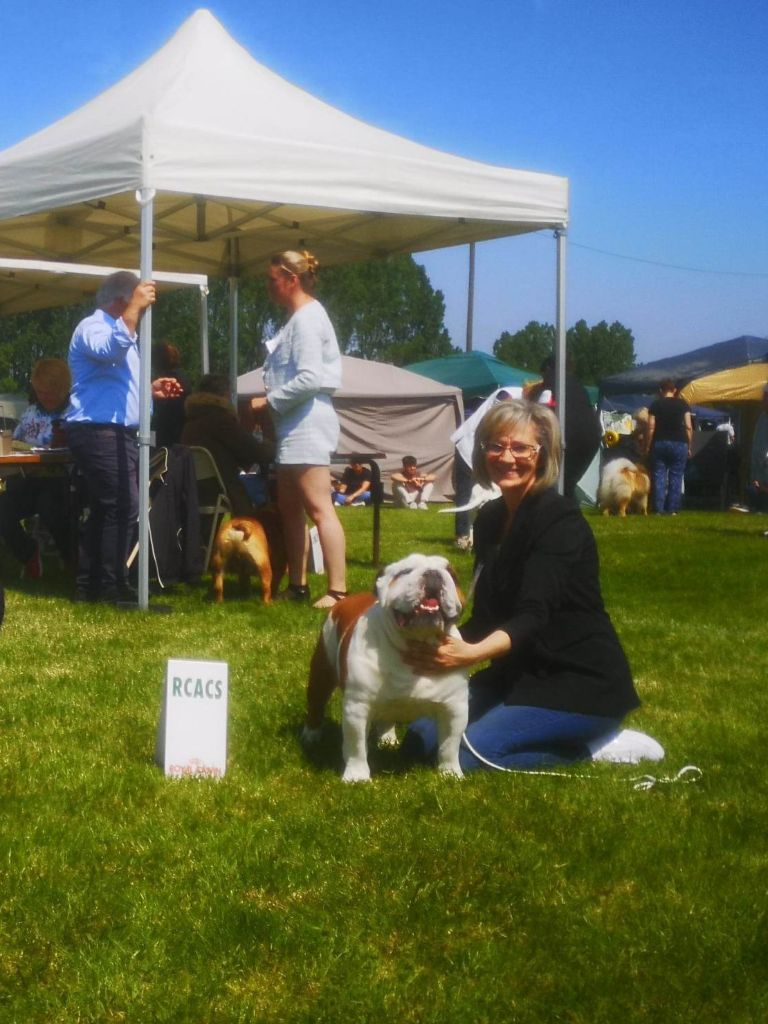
(107,457)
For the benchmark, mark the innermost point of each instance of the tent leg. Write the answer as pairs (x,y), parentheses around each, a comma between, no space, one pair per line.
(470,297)
(145,198)
(560,348)
(234,288)
(205,361)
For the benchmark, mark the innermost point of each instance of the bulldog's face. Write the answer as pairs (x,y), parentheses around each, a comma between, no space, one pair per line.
(420,592)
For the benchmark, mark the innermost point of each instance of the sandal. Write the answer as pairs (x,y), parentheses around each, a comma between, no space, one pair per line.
(330,598)
(294,592)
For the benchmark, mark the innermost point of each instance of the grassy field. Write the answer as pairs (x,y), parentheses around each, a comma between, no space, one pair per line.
(280,895)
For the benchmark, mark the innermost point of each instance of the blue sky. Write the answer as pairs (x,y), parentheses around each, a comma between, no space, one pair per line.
(656,111)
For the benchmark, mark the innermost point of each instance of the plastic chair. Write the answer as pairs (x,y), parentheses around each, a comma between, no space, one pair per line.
(207,472)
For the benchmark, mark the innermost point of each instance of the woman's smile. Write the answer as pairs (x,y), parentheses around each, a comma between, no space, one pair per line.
(512,461)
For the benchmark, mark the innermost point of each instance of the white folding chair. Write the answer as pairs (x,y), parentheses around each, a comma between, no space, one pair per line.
(206,473)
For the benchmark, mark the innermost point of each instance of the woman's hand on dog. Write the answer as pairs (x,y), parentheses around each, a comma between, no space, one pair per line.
(453,652)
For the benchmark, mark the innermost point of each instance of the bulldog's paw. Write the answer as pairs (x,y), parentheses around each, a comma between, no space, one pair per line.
(388,738)
(310,736)
(453,771)
(356,771)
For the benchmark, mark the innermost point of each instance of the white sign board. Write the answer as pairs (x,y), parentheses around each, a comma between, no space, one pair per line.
(315,551)
(192,738)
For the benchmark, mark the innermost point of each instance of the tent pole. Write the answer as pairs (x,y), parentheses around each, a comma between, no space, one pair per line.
(471,297)
(205,362)
(560,350)
(234,288)
(145,198)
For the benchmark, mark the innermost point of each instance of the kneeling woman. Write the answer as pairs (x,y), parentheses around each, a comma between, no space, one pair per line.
(558,678)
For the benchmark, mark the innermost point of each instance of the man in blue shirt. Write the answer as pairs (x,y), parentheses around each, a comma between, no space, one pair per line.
(101,429)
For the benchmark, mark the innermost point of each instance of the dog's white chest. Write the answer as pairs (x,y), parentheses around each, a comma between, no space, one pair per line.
(378,676)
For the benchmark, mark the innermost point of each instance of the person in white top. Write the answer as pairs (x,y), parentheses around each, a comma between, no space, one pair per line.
(301,372)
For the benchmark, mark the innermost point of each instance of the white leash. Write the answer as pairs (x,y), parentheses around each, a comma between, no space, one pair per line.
(690,773)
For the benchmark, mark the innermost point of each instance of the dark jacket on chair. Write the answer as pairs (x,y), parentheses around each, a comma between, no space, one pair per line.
(211,422)
(174,520)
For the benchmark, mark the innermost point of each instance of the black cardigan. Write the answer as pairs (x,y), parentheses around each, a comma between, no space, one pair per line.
(539,583)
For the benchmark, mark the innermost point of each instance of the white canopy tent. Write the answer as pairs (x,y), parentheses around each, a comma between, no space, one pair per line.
(39,284)
(211,162)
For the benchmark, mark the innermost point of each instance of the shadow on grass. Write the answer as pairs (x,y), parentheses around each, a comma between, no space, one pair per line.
(325,754)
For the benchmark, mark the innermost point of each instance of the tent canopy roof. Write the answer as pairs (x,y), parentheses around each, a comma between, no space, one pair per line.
(365,378)
(476,373)
(740,384)
(38,284)
(245,164)
(724,355)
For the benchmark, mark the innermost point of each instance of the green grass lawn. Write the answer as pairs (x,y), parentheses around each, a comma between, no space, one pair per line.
(280,895)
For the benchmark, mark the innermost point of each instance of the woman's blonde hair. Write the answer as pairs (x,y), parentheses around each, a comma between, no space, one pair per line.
(52,375)
(303,264)
(502,421)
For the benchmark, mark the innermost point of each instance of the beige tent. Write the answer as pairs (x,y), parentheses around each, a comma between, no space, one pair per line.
(384,408)
(207,161)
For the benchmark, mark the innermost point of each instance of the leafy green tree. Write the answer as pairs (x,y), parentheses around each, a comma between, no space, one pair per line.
(27,337)
(526,349)
(599,351)
(593,352)
(176,319)
(386,310)
(383,309)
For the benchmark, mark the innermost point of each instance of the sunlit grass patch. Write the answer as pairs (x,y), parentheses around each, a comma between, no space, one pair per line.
(279,894)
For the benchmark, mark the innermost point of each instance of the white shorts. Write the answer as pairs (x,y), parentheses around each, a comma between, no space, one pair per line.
(308,434)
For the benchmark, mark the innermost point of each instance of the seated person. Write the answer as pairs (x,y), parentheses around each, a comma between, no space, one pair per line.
(211,422)
(46,493)
(412,487)
(354,487)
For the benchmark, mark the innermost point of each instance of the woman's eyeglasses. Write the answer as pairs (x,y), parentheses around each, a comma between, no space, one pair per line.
(519,451)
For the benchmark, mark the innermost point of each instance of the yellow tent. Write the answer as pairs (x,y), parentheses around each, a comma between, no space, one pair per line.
(740,384)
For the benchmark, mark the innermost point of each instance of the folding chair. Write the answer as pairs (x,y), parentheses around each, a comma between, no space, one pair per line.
(209,481)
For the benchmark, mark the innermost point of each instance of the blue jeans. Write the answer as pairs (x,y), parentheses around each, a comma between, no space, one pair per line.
(339,498)
(512,736)
(668,461)
(107,456)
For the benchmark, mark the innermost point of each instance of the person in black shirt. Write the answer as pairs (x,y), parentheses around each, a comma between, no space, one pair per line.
(354,487)
(670,432)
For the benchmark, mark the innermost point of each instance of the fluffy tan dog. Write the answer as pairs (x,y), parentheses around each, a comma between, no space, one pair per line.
(623,485)
(252,545)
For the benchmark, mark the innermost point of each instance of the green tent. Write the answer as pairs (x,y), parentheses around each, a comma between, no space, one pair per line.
(476,373)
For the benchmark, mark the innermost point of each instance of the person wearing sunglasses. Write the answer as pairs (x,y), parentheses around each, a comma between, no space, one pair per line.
(558,684)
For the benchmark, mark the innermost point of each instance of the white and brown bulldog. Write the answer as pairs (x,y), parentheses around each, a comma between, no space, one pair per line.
(361,650)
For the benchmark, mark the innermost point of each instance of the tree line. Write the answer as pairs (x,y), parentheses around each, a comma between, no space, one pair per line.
(593,352)
(383,309)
